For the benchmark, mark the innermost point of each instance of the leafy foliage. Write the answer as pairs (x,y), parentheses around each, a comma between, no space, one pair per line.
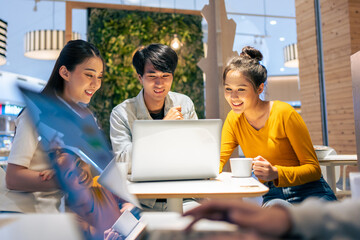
(118,33)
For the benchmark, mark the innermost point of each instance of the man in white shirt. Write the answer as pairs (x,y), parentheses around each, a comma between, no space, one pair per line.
(155,65)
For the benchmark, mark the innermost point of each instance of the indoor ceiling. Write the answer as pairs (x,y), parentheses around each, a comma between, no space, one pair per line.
(268,25)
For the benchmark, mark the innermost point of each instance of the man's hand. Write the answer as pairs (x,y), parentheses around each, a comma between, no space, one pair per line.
(174,114)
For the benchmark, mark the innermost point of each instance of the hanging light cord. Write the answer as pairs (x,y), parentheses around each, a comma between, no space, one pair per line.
(265,32)
(53,9)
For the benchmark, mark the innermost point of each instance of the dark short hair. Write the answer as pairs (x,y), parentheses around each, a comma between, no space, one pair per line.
(162,57)
(74,53)
(248,63)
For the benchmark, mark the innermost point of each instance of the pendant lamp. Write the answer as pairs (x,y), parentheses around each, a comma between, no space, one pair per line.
(3,37)
(291,59)
(45,44)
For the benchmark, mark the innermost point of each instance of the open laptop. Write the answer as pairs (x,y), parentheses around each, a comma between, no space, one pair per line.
(175,150)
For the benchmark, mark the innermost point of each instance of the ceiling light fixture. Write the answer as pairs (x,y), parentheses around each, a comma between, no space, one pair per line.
(35,6)
(291,59)
(175,42)
(3,37)
(45,44)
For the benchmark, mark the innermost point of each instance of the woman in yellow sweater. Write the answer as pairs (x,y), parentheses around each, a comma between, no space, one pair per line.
(271,132)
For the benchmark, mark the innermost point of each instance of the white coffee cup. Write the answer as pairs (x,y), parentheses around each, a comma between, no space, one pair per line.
(241,167)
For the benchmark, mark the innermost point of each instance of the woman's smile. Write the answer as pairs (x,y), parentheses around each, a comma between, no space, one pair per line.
(89,92)
(236,104)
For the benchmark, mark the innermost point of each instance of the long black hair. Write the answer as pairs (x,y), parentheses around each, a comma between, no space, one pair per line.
(74,53)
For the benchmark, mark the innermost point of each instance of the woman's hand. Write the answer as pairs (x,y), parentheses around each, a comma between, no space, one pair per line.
(264,170)
(174,114)
(47,174)
(126,206)
(111,234)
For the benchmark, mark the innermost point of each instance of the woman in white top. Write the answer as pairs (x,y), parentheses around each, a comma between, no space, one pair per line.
(75,78)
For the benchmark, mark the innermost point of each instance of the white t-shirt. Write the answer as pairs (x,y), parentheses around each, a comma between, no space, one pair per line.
(27,152)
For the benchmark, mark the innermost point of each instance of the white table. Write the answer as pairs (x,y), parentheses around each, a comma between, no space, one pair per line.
(223,186)
(331,161)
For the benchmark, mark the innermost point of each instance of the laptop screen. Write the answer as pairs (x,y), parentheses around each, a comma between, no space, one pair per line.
(175,150)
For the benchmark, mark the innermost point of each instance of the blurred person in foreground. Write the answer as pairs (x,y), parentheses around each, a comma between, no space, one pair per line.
(311,219)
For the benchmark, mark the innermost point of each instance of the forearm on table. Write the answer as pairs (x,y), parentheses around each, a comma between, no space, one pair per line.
(23,179)
(295,175)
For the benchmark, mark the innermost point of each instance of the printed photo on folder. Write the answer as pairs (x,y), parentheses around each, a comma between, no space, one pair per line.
(72,129)
(75,129)
(54,119)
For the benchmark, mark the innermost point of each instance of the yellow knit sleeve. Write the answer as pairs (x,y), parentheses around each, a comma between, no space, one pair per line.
(299,138)
(228,140)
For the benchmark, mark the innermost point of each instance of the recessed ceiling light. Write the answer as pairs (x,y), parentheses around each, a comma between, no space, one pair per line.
(282,39)
(273,22)
(282,69)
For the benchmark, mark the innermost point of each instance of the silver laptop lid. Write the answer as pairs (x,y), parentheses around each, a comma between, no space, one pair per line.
(172,150)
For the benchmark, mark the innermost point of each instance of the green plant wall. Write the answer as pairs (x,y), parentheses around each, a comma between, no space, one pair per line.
(117,34)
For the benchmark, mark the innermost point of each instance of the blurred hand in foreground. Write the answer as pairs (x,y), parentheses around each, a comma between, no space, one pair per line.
(273,221)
